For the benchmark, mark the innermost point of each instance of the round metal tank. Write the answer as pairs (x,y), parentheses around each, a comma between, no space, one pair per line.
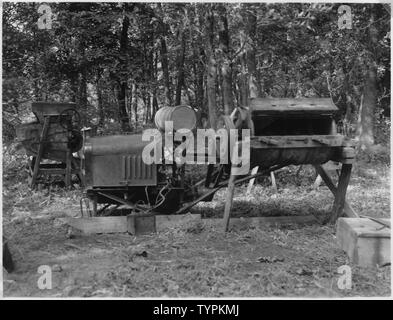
(183,117)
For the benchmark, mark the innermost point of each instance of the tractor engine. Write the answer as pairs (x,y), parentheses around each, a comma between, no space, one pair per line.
(116,176)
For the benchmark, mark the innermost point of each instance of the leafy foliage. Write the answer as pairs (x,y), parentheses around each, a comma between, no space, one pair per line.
(91,54)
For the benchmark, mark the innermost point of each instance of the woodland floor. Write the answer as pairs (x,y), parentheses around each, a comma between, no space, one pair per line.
(194,259)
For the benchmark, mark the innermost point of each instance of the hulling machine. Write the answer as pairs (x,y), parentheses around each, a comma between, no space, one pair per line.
(51,140)
(283,132)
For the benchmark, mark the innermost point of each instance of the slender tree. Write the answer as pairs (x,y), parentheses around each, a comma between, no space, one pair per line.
(211,70)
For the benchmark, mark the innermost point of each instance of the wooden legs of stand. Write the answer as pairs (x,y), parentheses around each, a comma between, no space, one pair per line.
(339,192)
(68,169)
(229,200)
(40,152)
(342,186)
(231,191)
(252,181)
(339,207)
(54,170)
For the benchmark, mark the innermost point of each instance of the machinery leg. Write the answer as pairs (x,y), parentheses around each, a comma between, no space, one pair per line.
(329,183)
(210,169)
(317,182)
(274,184)
(342,186)
(252,181)
(40,152)
(95,205)
(229,200)
(77,166)
(68,169)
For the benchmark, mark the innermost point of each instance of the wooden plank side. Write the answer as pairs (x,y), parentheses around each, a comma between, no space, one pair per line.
(120,224)
(164,222)
(40,152)
(373,251)
(99,224)
(263,105)
(364,241)
(262,222)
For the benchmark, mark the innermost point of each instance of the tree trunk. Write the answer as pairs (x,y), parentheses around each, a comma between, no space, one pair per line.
(164,58)
(226,72)
(366,125)
(155,101)
(199,76)
(135,96)
(122,92)
(155,105)
(370,92)
(82,95)
(101,113)
(254,87)
(180,69)
(74,86)
(243,82)
(123,116)
(199,68)
(211,69)
(165,70)
(146,103)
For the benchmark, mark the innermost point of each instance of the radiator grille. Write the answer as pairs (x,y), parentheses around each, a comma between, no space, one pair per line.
(135,170)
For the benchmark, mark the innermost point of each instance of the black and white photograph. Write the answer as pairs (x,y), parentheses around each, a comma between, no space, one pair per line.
(171,150)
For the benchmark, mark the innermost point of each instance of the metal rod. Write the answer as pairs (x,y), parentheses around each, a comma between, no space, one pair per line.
(224,184)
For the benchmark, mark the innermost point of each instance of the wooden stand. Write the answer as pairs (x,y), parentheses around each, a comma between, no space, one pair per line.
(252,181)
(340,206)
(42,169)
(229,200)
(330,167)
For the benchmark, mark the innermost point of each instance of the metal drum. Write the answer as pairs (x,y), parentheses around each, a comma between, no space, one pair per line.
(183,117)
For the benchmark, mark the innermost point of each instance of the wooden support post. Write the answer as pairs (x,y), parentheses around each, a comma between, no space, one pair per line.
(40,152)
(229,200)
(95,205)
(210,169)
(330,166)
(274,185)
(342,186)
(68,169)
(252,181)
(329,183)
(317,182)
(78,168)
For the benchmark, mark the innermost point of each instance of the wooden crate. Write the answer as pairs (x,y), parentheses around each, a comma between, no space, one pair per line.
(131,224)
(366,242)
(139,225)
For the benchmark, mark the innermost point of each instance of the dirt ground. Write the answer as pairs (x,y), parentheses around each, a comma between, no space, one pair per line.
(196,259)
